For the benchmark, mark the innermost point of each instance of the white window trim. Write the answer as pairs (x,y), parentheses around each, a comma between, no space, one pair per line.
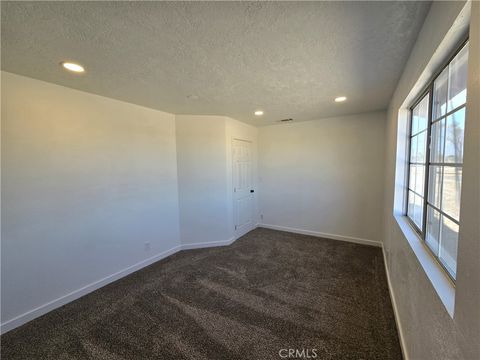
(440,281)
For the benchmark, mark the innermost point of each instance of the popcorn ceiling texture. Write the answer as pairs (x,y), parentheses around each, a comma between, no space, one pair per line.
(289,58)
(268,291)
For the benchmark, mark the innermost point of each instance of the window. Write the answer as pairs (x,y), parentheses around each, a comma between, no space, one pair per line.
(437,129)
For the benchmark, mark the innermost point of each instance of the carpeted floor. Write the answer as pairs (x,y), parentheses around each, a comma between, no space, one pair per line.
(268,291)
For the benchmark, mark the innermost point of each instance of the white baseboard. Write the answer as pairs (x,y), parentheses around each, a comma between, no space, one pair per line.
(65,299)
(323,235)
(395,310)
(74,295)
(208,244)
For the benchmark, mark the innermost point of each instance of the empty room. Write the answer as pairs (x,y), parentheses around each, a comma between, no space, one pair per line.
(240,180)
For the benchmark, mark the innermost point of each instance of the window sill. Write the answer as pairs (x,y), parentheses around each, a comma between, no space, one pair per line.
(440,281)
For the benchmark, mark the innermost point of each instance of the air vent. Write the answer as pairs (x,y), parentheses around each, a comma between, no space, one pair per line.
(285,120)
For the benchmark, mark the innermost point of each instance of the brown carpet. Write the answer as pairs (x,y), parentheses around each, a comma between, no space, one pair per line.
(268,291)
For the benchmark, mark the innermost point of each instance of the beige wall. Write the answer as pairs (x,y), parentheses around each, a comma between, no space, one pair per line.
(467,310)
(429,332)
(86,182)
(324,176)
(202,176)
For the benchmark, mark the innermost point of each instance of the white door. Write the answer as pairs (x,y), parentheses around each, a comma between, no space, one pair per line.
(243,191)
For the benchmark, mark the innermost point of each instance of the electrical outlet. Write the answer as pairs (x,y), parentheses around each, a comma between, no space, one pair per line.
(147,246)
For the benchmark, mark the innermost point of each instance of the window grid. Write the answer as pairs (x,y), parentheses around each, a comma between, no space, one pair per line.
(448,114)
(428,164)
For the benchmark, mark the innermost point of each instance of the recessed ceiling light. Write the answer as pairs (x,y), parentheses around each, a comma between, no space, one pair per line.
(340,99)
(258,113)
(73,67)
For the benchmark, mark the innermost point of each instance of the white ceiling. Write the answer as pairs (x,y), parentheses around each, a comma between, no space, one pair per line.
(289,59)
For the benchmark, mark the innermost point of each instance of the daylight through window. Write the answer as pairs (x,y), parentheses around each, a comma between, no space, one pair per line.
(437,129)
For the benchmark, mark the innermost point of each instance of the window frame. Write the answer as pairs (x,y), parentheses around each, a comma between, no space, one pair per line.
(417,101)
(428,91)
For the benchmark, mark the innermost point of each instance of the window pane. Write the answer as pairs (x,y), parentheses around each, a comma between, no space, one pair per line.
(411,204)
(452,187)
(435,185)
(419,179)
(418,148)
(421,147)
(440,95)
(454,137)
(420,116)
(413,149)
(457,84)
(448,245)
(413,176)
(418,211)
(414,129)
(432,237)
(438,141)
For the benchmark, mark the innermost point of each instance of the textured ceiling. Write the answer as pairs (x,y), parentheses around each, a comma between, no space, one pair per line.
(219,58)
